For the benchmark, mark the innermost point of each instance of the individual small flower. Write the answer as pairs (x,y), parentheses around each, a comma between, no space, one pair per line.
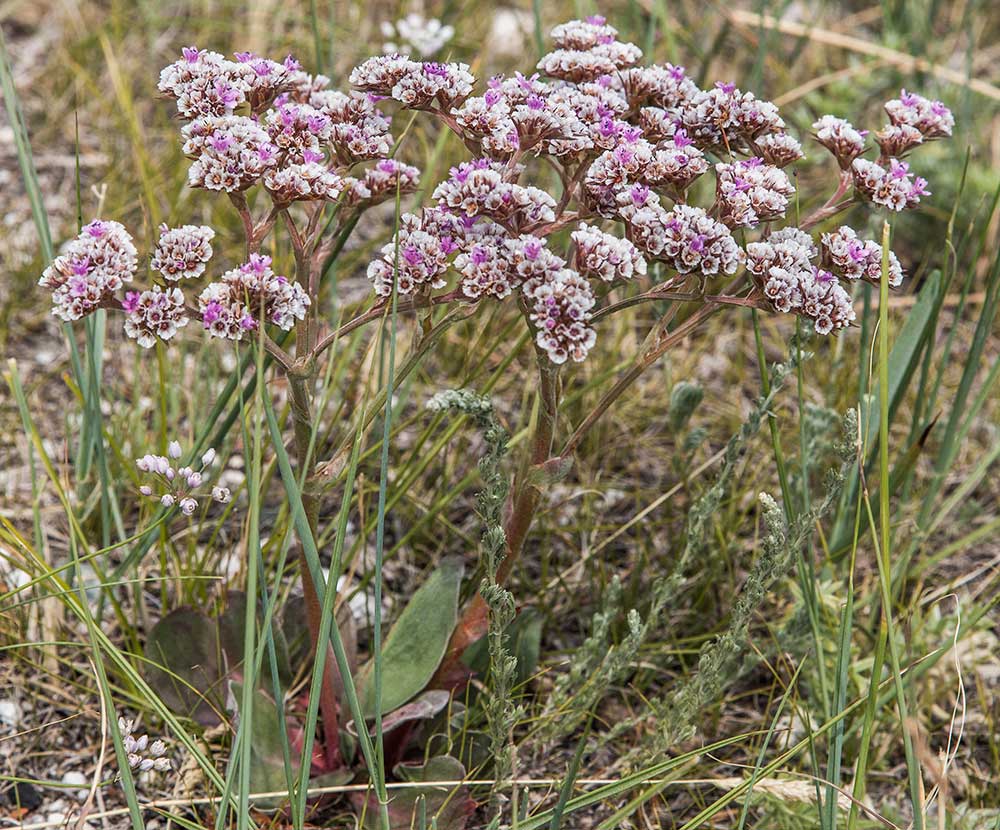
(853,258)
(560,309)
(231,153)
(245,295)
(779,149)
(92,267)
(182,252)
(931,118)
(153,315)
(749,192)
(416,34)
(143,755)
(177,486)
(895,188)
(603,256)
(895,140)
(840,138)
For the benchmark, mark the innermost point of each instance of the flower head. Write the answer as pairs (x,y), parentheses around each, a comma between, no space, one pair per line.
(560,304)
(245,296)
(182,252)
(91,269)
(154,315)
(931,118)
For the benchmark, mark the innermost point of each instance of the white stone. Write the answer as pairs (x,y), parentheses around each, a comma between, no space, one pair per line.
(76,778)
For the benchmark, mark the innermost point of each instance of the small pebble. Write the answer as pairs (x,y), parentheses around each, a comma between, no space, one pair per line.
(10,713)
(77,779)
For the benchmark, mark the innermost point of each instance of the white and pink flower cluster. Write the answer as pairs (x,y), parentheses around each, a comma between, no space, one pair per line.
(182,253)
(253,120)
(782,266)
(888,181)
(858,259)
(629,144)
(246,295)
(91,270)
(178,486)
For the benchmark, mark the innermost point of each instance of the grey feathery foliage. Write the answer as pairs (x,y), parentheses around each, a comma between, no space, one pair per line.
(501,711)
(684,400)
(598,665)
(726,657)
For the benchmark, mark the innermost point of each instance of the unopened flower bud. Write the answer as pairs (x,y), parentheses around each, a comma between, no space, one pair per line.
(174,449)
(167,500)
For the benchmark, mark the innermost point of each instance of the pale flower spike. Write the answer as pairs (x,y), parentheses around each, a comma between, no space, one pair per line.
(178,486)
(143,755)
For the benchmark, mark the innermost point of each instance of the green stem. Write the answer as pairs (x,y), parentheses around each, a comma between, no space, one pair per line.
(303,431)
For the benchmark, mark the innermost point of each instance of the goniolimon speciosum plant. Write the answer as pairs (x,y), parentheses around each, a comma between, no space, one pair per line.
(666,192)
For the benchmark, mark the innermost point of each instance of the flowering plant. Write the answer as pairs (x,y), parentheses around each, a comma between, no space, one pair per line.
(631,146)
